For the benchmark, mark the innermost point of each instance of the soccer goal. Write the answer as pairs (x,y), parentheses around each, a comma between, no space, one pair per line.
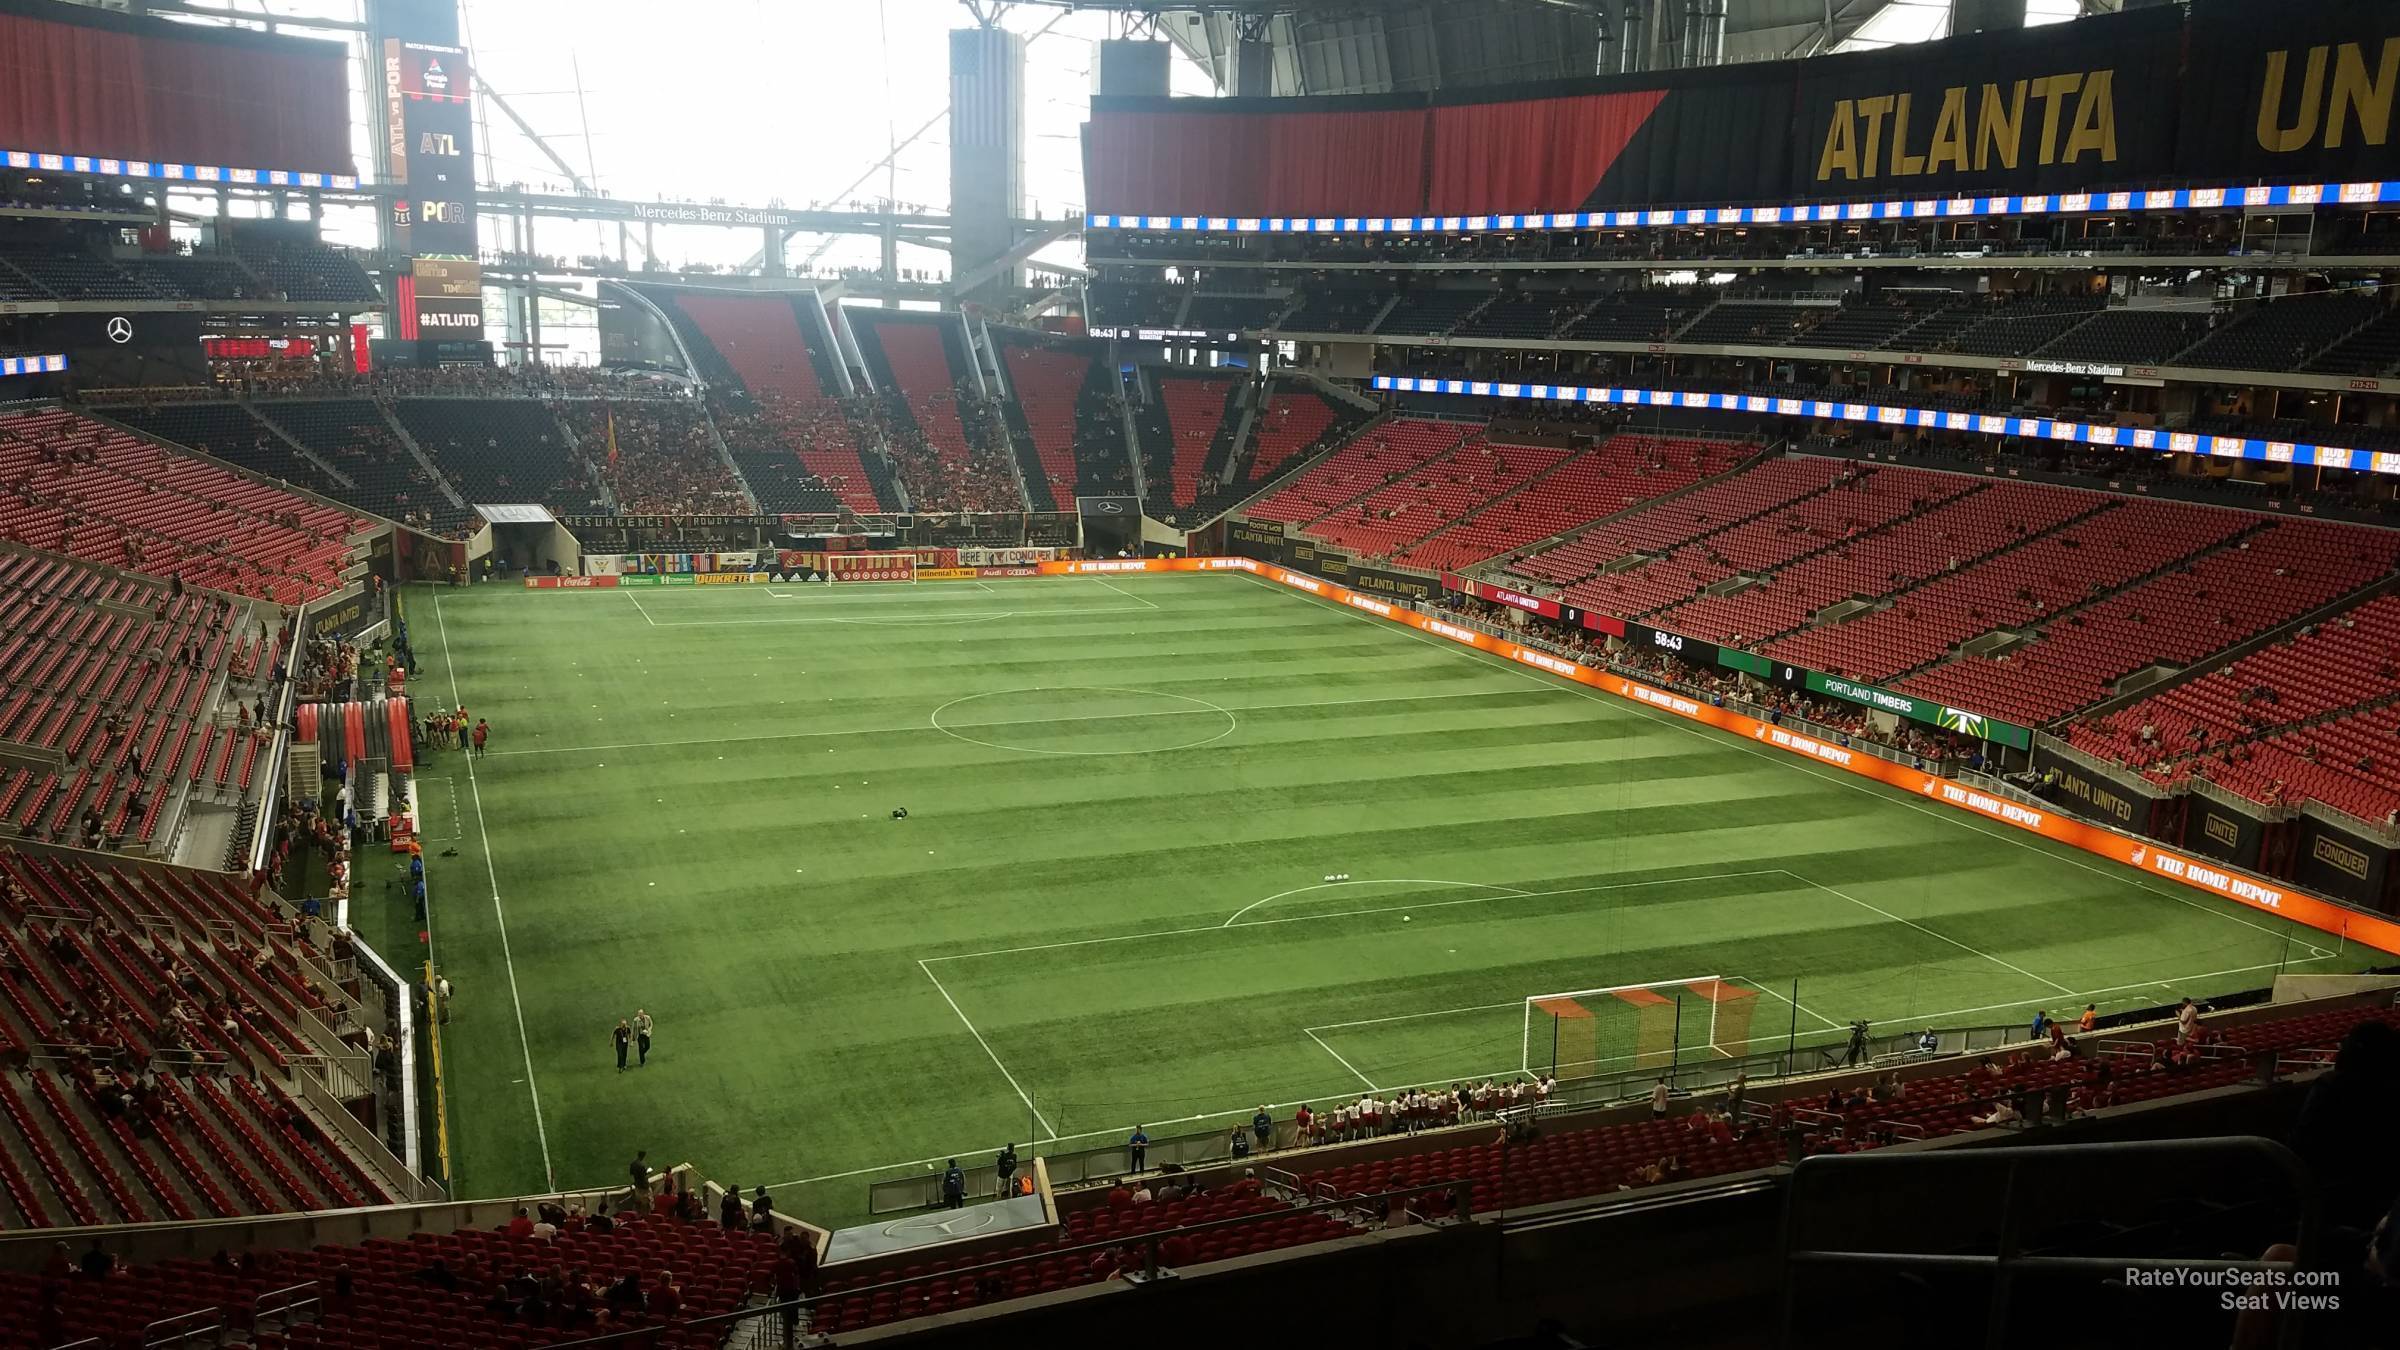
(1626,1028)
(870,567)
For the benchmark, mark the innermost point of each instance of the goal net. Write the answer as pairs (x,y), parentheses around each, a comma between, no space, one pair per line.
(1626,1028)
(870,567)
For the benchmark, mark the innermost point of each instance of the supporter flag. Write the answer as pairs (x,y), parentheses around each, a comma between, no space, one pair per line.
(612,438)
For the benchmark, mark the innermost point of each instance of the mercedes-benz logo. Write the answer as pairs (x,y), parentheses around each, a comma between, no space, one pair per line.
(1110,508)
(120,330)
(955,1223)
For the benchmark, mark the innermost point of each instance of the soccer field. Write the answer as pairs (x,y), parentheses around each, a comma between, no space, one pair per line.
(1109,902)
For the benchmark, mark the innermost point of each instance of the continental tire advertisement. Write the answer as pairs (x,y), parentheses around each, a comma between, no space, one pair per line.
(2292,91)
(2021,110)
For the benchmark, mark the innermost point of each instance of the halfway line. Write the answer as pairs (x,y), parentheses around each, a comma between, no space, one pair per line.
(1018,722)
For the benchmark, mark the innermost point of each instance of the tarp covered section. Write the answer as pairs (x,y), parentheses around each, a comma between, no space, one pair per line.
(79,81)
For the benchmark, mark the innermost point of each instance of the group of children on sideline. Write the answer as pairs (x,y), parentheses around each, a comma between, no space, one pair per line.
(444,728)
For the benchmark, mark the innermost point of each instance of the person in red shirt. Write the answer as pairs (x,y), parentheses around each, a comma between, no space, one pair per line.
(1120,1196)
(666,1296)
(520,1226)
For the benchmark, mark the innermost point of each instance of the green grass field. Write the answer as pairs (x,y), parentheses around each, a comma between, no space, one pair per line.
(1108,904)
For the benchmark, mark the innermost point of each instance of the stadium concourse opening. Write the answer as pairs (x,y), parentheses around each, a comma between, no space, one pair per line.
(1128,799)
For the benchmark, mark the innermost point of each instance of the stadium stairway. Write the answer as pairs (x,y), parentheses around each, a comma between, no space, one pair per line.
(473,1286)
(759,346)
(1438,493)
(2247,583)
(235,434)
(942,444)
(1366,464)
(426,462)
(160,1020)
(1746,457)
(1046,384)
(1291,426)
(1726,564)
(1961,530)
(1185,431)
(1660,529)
(1826,644)
(1622,473)
(85,488)
(2162,552)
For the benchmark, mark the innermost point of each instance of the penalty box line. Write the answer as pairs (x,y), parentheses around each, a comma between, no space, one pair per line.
(1353,913)
(989,1053)
(1927,1018)
(1243,1110)
(1010,722)
(1830,1024)
(2134,880)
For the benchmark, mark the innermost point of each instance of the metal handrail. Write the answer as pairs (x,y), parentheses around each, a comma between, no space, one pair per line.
(153,1334)
(285,1302)
(1460,1192)
(2021,1168)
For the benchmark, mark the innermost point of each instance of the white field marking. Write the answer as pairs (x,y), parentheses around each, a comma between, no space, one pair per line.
(2136,880)
(1390,881)
(987,1050)
(1971,951)
(886,621)
(1243,1111)
(926,595)
(458,821)
(1232,723)
(1354,913)
(1127,594)
(508,959)
(1337,1058)
(925,621)
(1830,1024)
(1029,721)
(1774,1038)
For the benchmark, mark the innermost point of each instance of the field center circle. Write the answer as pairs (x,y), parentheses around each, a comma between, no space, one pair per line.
(1173,721)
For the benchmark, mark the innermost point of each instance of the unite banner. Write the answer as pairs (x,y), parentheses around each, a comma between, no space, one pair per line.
(2280,90)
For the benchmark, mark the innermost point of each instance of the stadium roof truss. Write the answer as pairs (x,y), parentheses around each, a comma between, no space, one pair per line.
(1402,46)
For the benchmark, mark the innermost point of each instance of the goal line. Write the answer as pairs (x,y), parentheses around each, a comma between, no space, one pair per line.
(1578,1033)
